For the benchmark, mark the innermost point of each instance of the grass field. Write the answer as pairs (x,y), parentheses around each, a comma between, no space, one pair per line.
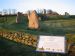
(10,48)
(51,27)
(48,27)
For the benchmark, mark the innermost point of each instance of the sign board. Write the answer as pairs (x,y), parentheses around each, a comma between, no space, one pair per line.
(54,44)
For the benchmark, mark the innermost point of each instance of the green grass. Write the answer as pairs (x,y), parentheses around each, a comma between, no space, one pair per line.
(51,27)
(10,48)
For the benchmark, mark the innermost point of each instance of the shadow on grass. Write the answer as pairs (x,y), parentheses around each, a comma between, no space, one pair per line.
(10,48)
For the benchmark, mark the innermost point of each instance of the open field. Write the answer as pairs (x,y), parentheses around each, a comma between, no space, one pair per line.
(10,48)
(48,27)
(51,27)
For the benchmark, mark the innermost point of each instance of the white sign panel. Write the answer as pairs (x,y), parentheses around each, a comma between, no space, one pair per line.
(55,44)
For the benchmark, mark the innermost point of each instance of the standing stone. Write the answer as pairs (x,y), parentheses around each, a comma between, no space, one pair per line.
(18,17)
(66,15)
(33,20)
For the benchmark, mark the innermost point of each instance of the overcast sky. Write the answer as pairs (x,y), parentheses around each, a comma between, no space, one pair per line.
(59,6)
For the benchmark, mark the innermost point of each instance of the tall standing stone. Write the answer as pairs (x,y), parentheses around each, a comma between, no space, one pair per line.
(33,20)
(18,17)
(66,15)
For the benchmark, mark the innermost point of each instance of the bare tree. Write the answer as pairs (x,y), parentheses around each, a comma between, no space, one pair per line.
(49,11)
(4,12)
(0,12)
(13,11)
(44,11)
(9,11)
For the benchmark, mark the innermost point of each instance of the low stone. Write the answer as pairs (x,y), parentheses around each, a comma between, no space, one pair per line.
(18,17)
